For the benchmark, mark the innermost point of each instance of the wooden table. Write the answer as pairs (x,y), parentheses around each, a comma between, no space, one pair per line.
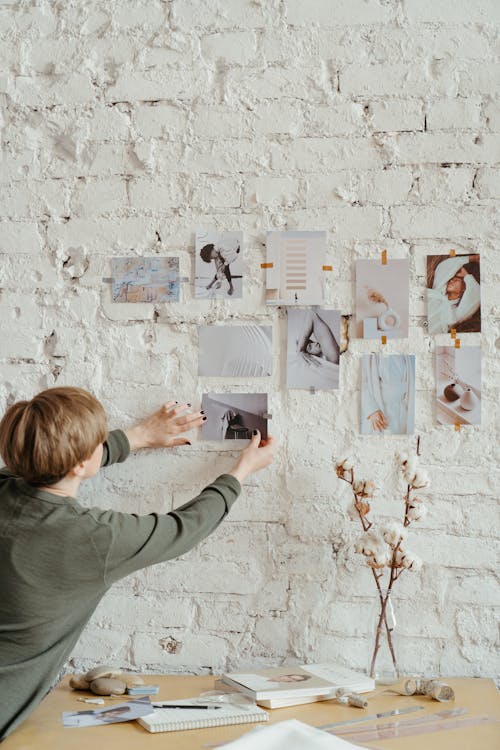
(43,730)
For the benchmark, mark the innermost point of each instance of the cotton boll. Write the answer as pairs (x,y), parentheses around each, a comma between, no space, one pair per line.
(368,544)
(410,561)
(410,469)
(394,533)
(417,511)
(421,479)
(358,486)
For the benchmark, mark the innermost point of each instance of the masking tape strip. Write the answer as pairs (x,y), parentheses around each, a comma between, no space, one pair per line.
(457,426)
(267,265)
(312,389)
(384,339)
(384,257)
(453,333)
(107,280)
(457,343)
(452,253)
(267,415)
(327,268)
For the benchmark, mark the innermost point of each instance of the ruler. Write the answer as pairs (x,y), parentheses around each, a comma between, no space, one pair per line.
(395,712)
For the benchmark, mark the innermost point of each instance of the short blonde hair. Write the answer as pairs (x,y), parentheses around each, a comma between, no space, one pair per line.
(42,439)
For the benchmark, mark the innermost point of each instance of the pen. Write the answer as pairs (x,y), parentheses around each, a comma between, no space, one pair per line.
(209,708)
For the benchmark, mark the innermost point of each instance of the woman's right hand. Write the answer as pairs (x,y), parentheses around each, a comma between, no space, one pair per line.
(257,455)
(378,420)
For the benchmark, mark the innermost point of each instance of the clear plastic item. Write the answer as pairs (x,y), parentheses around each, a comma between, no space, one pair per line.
(223,697)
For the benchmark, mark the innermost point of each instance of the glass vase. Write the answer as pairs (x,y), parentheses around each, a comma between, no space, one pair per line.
(382,641)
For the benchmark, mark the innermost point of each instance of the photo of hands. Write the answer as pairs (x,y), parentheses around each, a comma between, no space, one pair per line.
(313,352)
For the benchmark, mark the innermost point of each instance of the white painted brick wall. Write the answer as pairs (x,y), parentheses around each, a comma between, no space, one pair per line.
(123,127)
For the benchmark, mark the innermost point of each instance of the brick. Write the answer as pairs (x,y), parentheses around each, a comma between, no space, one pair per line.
(398,79)
(443,185)
(349,12)
(450,114)
(393,115)
(216,192)
(156,195)
(160,121)
(17,237)
(492,114)
(482,11)
(195,13)
(439,148)
(235,47)
(445,221)
(279,117)
(281,191)
(480,78)
(488,183)
(276,82)
(155,86)
(343,119)
(324,154)
(127,233)
(47,90)
(91,197)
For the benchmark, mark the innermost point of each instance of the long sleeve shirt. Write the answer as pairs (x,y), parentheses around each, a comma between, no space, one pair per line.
(58,559)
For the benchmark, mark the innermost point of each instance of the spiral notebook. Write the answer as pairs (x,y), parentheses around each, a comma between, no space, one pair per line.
(176,719)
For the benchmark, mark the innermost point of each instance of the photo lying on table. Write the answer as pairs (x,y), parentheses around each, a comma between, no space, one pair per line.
(294,274)
(388,394)
(108,715)
(235,351)
(145,279)
(453,293)
(233,416)
(313,351)
(458,385)
(218,265)
(382,299)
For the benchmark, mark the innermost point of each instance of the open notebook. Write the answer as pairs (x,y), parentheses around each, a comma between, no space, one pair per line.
(174,719)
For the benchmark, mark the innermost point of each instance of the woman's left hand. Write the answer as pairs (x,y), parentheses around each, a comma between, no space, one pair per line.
(160,430)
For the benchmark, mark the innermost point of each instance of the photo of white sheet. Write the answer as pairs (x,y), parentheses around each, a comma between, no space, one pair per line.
(235,351)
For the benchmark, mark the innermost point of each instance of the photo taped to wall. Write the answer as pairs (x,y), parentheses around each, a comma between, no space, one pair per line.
(233,416)
(382,298)
(453,293)
(145,279)
(295,262)
(388,394)
(218,265)
(235,351)
(313,353)
(458,385)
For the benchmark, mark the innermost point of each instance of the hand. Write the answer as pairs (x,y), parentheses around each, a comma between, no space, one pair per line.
(461,273)
(159,430)
(378,420)
(254,457)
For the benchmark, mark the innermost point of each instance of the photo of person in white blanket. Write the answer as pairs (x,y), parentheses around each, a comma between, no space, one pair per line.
(453,293)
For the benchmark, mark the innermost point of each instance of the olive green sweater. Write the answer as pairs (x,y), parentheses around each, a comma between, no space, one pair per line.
(58,559)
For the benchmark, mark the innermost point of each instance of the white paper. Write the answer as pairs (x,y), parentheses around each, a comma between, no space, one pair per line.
(292,735)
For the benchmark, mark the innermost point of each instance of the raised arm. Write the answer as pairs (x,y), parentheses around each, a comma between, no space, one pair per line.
(326,339)
(307,330)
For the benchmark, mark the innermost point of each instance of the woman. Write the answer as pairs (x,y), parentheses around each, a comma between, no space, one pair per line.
(314,361)
(454,295)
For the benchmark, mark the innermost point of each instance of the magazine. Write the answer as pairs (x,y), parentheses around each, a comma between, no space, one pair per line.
(291,685)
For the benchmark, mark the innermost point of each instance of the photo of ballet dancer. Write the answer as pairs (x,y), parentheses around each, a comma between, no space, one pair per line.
(388,394)
(218,265)
(382,298)
(233,416)
(453,293)
(235,351)
(313,351)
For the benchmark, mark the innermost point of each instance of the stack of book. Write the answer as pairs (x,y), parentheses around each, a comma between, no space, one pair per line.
(279,687)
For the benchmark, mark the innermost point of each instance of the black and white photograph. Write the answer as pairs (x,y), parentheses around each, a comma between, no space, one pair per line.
(453,293)
(294,274)
(388,394)
(218,265)
(109,715)
(233,416)
(458,385)
(382,298)
(235,351)
(313,349)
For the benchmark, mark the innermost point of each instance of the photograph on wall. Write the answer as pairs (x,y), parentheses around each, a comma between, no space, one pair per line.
(388,394)
(233,416)
(458,385)
(145,279)
(235,351)
(218,265)
(294,268)
(453,293)
(382,298)
(313,351)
